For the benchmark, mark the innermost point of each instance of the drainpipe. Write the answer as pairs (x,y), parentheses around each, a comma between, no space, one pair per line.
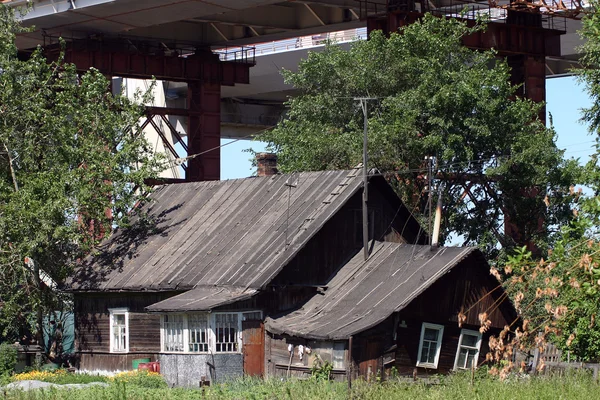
(349,366)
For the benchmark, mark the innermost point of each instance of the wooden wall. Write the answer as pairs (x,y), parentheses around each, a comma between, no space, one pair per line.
(341,237)
(468,288)
(408,346)
(92,329)
(277,357)
(94,361)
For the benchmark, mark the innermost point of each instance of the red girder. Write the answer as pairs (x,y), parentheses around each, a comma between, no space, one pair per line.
(119,61)
(506,38)
(204,73)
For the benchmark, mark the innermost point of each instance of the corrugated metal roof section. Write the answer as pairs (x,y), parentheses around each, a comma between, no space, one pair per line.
(364,293)
(227,233)
(203,298)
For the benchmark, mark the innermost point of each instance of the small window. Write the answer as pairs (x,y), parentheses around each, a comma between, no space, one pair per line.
(173,328)
(119,328)
(226,333)
(467,353)
(339,355)
(198,333)
(252,316)
(430,345)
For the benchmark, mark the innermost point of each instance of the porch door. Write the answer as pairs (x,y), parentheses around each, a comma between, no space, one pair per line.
(253,347)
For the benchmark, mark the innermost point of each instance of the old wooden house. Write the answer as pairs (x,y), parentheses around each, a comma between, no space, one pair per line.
(224,278)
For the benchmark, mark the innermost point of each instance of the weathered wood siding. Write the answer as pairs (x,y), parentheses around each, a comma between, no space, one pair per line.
(408,347)
(92,329)
(468,288)
(279,365)
(111,362)
(341,238)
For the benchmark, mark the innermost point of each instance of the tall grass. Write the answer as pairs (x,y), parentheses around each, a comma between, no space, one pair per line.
(573,386)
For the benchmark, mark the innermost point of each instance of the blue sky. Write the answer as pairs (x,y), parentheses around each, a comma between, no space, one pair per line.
(565,98)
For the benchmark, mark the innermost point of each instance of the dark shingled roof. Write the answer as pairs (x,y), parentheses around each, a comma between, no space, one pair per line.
(203,298)
(220,233)
(364,293)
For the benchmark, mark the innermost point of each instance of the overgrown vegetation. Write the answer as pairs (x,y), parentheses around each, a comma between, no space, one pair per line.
(573,386)
(559,295)
(59,376)
(8,358)
(70,169)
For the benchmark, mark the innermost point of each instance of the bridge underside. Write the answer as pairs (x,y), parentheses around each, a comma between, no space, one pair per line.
(173,39)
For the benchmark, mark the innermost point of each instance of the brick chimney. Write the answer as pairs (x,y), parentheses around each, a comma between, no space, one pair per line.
(267,164)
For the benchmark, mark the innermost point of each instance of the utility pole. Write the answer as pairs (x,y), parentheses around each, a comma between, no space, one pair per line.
(365,197)
(429,160)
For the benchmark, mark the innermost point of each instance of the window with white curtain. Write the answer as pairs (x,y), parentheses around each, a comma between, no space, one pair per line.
(119,330)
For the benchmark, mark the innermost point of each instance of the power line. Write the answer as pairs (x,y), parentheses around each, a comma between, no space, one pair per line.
(181,160)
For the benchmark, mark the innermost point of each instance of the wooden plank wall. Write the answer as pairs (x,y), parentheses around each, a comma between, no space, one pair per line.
(92,327)
(277,357)
(111,362)
(465,288)
(340,239)
(408,347)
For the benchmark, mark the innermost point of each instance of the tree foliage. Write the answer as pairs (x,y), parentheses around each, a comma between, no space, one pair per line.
(70,170)
(559,296)
(433,97)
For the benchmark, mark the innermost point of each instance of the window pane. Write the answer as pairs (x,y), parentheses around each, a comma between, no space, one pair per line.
(198,332)
(252,316)
(173,333)
(339,354)
(469,340)
(226,329)
(119,334)
(431,334)
(470,358)
(429,344)
(428,352)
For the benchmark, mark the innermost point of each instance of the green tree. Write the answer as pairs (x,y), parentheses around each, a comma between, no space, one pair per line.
(70,170)
(559,296)
(433,97)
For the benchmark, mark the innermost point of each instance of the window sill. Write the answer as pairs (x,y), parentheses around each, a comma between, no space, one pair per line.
(427,365)
(119,351)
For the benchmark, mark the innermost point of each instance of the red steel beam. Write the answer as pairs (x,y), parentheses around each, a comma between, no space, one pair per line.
(110,61)
(506,38)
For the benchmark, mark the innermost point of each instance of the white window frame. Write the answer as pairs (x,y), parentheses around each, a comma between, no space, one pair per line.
(163,334)
(477,346)
(213,326)
(212,338)
(186,332)
(440,329)
(118,311)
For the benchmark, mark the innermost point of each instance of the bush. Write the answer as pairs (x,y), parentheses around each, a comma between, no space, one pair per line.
(8,358)
(144,379)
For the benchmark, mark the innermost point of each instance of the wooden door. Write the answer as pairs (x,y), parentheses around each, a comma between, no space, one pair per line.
(371,353)
(253,347)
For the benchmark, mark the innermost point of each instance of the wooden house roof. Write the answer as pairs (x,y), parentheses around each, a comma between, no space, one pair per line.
(222,233)
(364,293)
